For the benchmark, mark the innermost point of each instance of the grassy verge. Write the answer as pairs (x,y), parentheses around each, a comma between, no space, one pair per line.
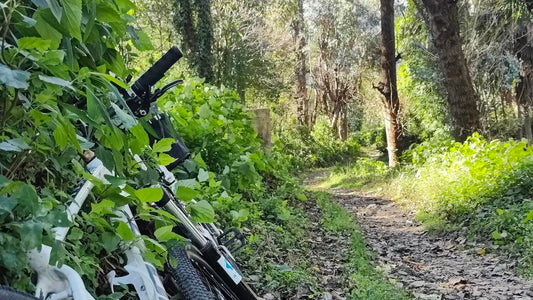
(365,280)
(482,188)
(280,251)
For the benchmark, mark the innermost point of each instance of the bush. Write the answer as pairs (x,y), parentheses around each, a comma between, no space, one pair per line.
(485,186)
(317,148)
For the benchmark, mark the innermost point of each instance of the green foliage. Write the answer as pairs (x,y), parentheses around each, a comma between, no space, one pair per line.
(358,174)
(484,186)
(55,93)
(317,148)
(419,81)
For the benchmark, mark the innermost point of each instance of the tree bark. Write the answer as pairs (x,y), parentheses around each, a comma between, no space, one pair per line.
(387,85)
(524,88)
(301,68)
(462,99)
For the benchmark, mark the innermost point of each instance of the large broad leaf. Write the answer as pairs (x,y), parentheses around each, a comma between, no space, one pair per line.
(14,145)
(14,78)
(202,212)
(186,194)
(55,8)
(141,135)
(34,43)
(126,121)
(125,231)
(165,233)
(149,194)
(56,81)
(46,30)
(163,145)
(31,234)
(72,17)
(203,175)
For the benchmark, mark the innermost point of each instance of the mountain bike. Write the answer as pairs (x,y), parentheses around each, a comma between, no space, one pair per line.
(205,269)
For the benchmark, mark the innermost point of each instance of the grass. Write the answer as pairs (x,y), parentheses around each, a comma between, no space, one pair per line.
(278,255)
(367,281)
(480,187)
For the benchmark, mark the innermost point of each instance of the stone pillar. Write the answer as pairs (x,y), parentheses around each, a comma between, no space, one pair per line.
(263,126)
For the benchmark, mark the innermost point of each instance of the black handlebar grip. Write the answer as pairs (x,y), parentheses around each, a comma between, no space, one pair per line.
(156,72)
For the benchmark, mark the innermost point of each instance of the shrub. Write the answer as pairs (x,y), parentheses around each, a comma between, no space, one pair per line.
(317,148)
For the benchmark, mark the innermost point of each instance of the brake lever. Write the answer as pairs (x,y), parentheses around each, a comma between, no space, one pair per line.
(160,92)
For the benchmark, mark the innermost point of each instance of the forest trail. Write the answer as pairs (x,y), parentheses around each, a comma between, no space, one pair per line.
(427,265)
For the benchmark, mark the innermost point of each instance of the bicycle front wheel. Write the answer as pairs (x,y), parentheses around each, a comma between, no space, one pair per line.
(196,279)
(7,293)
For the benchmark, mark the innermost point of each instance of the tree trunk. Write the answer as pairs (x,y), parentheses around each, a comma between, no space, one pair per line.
(204,32)
(301,68)
(183,21)
(524,88)
(387,85)
(462,99)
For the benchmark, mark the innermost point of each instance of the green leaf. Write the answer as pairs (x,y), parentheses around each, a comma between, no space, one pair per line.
(93,106)
(53,58)
(31,235)
(151,194)
(165,233)
(58,253)
(75,234)
(7,203)
(106,157)
(141,135)
(163,145)
(301,196)
(202,212)
(60,136)
(10,259)
(34,43)
(186,194)
(205,112)
(46,30)
(125,119)
(26,197)
(14,78)
(165,159)
(56,81)
(125,231)
(58,217)
(103,207)
(14,145)
(3,181)
(110,241)
(529,217)
(203,175)
(72,17)
(55,8)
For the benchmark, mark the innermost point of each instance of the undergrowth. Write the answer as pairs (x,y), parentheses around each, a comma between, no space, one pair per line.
(479,186)
(366,281)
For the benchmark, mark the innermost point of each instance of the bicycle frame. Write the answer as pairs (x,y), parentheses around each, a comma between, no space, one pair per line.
(54,282)
(60,282)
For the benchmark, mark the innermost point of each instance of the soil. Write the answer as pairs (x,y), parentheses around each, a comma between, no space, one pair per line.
(429,266)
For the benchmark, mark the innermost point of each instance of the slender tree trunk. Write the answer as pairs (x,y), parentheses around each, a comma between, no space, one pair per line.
(462,99)
(387,85)
(301,67)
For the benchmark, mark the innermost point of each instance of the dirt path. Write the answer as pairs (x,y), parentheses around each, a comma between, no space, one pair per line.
(429,266)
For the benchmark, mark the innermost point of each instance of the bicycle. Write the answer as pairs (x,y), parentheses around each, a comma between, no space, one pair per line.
(206,268)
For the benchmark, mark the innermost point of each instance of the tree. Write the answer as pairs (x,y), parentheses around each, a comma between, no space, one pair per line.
(443,25)
(193,22)
(301,66)
(387,85)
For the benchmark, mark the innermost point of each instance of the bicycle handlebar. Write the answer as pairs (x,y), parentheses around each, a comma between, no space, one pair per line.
(156,72)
